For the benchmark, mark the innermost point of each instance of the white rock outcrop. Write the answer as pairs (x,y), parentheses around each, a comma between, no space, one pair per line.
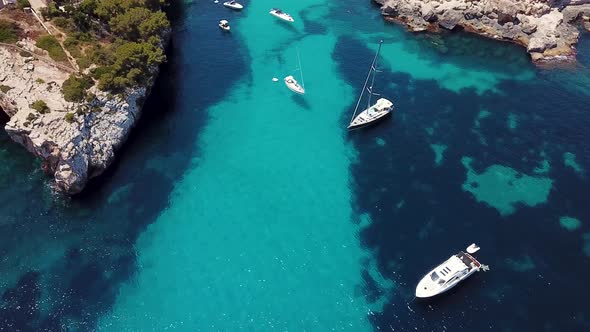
(73,149)
(545,27)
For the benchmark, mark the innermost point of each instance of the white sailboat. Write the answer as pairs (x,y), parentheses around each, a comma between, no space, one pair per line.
(292,84)
(373,112)
(281,14)
(451,272)
(233,5)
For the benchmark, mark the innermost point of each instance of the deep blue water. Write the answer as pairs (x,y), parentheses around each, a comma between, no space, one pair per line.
(190,171)
(437,213)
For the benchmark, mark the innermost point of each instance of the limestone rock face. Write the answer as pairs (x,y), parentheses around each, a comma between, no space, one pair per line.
(540,44)
(545,27)
(428,14)
(73,149)
(450,19)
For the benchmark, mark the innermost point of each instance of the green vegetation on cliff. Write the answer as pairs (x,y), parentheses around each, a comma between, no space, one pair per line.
(121,38)
(52,46)
(40,106)
(74,88)
(69,117)
(8,32)
(23,4)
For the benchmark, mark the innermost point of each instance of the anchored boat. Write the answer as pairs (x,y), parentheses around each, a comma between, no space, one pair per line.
(281,14)
(224,24)
(292,84)
(233,5)
(373,112)
(451,272)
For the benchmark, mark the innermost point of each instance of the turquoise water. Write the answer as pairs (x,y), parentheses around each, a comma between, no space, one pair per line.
(240,231)
(237,205)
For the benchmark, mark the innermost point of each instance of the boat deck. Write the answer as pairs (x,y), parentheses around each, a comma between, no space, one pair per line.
(468,259)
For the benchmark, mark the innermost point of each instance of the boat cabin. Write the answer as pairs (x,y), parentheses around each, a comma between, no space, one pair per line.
(455,267)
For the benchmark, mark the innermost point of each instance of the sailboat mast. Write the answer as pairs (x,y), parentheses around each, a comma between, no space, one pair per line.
(300,68)
(366,81)
(374,70)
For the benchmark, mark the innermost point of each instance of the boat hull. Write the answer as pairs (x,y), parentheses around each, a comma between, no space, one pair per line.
(282,17)
(374,121)
(236,6)
(421,293)
(297,91)
(293,85)
(379,110)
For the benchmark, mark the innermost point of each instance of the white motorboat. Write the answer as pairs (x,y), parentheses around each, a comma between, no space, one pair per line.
(233,5)
(373,112)
(448,274)
(292,83)
(281,14)
(224,24)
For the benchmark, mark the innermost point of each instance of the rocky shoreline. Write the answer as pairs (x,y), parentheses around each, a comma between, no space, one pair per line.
(76,141)
(547,28)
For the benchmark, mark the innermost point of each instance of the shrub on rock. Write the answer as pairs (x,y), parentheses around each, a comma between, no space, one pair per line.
(74,88)
(40,106)
(69,117)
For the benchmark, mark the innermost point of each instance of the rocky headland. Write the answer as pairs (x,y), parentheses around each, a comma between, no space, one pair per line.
(547,28)
(76,119)
(76,141)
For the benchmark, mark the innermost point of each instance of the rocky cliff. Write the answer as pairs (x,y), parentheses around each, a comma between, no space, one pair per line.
(76,141)
(545,27)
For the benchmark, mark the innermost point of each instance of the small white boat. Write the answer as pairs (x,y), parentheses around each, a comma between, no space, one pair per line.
(224,24)
(292,83)
(448,274)
(233,5)
(373,112)
(281,14)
